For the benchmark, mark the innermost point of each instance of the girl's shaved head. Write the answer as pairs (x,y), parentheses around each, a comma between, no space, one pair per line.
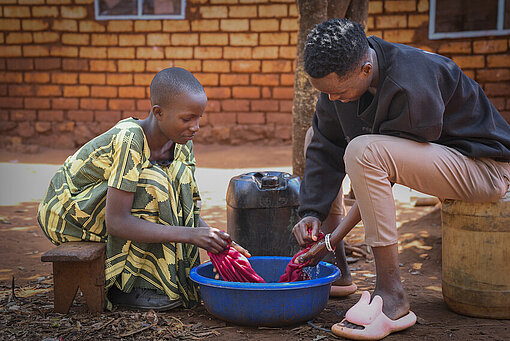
(172,82)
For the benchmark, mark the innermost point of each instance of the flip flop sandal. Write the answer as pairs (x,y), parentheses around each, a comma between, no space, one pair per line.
(375,324)
(342,290)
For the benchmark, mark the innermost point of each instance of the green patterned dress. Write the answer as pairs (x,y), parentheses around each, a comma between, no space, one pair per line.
(74,209)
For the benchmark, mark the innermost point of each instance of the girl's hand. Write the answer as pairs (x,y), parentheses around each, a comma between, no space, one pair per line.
(241,249)
(210,239)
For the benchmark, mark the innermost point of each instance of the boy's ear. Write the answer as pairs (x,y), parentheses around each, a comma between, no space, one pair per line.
(367,67)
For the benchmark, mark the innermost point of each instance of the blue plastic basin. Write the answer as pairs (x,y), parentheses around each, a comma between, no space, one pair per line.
(268,304)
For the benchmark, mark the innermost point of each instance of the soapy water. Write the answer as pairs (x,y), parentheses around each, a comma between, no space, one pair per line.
(312,271)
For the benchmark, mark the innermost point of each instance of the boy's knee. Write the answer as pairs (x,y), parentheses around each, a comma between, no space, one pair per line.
(358,150)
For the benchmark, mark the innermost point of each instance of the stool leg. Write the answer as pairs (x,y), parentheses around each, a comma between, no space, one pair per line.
(92,283)
(65,287)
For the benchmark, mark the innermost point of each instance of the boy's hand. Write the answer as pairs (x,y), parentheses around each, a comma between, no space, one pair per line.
(301,230)
(210,239)
(316,253)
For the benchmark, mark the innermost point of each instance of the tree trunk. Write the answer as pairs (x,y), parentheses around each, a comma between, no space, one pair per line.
(312,12)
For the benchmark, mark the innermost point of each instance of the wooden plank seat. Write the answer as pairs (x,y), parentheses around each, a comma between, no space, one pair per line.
(78,265)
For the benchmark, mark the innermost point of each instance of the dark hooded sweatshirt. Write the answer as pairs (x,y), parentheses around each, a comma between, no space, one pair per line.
(421,96)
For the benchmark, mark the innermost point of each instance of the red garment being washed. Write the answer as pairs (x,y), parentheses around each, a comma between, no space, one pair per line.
(294,271)
(234,267)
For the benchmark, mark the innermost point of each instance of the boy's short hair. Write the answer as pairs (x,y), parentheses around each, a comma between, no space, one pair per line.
(171,82)
(336,45)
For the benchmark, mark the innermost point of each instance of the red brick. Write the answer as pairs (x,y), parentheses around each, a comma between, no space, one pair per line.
(93,103)
(34,25)
(242,11)
(269,66)
(76,91)
(91,26)
(213,106)
(50,115)
(293,38)
(469,62)
(207,79)
(47,63)
(274,38)
(190,65)
(19,38)
(289,25)
(45,37)
(93,52)
(132,40)
(264,105)
(80,115)
(64,51)
(10,51)
(21,90)
(48,90)
(492,75)
(208,52)
(288,52)
(75,65)
(64,78)
(287,79)
(108,116)
(265,52)
(158,39)
(35,51)
(132,92)
(490,46)
(234,25)
(391,21)
(119,26)
(246,66)
(235,105)
(497,89)
(222,118)
(9,102)
(158,65)
(214,39)
(498,102)
(216,66)
(244,39)
(143,79)
(121,52)
(273,11)
(23,115)
(399,36)
(234,79)
(206,25)
(37,77)
(143,104)
(37,103)
(16,12)
(121,104)
(103,65)
(149,53)
(176,26)
(265,79)
(237,52)
(264,25)
(400,6)
(286,106)
(417,20)
(455,47)
(148,26)
(184,39)
(279,118)
(105,39)
(131,65)
(179,52)
(64,103)
(470,73)
(246,92)
(74,12)
(283,92)
(208,12)
(103,91)
(119,79)
(217,92)
(251,118)
(45,11)
(499,60)
(66,25)
(20,64)
(10,24)
(92,78)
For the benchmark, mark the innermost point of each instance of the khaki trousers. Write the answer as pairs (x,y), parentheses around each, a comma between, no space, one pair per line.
(373,162)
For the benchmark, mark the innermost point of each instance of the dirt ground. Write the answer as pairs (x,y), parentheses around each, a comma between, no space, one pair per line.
(26,310)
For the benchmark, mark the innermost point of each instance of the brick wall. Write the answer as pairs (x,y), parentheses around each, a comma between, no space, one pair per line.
(65,77)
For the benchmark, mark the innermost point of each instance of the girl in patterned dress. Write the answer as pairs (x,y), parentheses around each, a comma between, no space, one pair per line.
(133,188)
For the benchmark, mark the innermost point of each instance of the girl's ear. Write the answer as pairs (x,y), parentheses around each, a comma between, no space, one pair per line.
(156,111)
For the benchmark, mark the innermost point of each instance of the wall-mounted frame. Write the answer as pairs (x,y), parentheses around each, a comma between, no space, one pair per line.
(139,9)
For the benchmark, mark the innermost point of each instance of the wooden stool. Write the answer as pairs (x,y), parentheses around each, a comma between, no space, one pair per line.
(78,264)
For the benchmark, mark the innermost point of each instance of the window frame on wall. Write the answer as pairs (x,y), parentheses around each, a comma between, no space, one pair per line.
(500,30)
(139,15)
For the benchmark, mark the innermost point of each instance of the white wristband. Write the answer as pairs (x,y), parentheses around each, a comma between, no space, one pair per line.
(328,243)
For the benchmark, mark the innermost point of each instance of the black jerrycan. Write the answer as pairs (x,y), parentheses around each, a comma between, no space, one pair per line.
(262,210)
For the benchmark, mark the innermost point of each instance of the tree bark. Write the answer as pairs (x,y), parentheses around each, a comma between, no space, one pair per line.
(312,12)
